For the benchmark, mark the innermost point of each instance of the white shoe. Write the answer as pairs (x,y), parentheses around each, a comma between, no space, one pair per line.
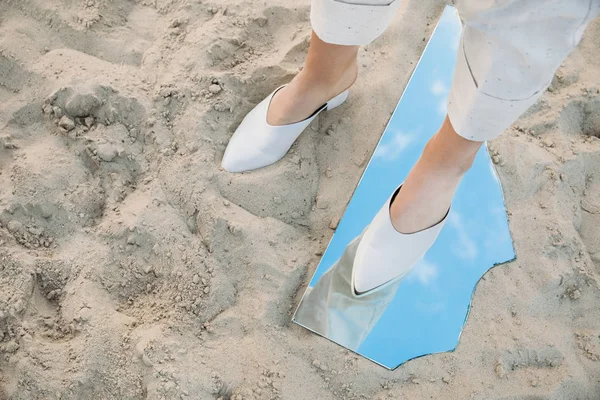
(256,143)
(385,255)
(331,307)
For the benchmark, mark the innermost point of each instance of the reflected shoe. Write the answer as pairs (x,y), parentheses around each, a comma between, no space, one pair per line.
(332,308)
(256,143)
(385,255)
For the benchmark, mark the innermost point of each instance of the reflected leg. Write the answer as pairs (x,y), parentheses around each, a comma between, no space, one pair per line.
(332,309)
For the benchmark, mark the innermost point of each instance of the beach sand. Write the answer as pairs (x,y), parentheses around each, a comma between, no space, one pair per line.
(133,267)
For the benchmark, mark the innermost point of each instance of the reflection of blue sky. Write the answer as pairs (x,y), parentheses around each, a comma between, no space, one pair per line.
(438,88)
(424,272)
(440,91)
(392,149)
(428,312)
(464,247)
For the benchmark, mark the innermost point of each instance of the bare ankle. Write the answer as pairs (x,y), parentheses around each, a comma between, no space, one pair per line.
(330,83)
(443,156)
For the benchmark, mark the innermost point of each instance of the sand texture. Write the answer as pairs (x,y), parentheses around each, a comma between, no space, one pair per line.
(133,267)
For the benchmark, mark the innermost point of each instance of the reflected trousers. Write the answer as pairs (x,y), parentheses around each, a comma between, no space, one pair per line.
(332,309)
(507,56)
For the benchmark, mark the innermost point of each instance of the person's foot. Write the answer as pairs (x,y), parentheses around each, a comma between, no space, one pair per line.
(385,255)
(429,188)
(306,93)
(267,132)
(256,143)
(425,198)
(408,224)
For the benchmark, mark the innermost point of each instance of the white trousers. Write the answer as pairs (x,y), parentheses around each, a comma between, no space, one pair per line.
(508,53)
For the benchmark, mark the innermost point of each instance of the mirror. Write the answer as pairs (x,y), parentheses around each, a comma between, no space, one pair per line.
(424,312)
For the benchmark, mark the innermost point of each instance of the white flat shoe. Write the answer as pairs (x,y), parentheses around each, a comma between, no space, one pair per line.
(332,308)
(385,255)
(256,143)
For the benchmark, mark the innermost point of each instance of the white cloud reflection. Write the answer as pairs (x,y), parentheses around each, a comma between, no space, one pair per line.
(438,87)
(394,147)
(466,249)
(443,107)
(425,272)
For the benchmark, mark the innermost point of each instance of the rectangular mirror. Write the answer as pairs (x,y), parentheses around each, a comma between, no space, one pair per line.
(424,312)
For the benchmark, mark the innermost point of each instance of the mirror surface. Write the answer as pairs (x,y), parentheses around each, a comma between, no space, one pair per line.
(424,312)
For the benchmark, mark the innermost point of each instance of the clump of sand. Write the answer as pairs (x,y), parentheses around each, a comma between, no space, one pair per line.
(132,267)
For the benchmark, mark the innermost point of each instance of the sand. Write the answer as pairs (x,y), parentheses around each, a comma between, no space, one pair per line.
(133,267)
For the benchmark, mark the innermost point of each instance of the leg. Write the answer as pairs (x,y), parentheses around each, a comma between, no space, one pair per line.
(270,129)
(507,57)
(446,158)
(329,70)
(502,69)
(330,66)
